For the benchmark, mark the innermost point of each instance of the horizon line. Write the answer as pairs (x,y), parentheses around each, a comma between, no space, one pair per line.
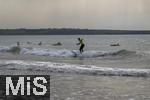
(75,29)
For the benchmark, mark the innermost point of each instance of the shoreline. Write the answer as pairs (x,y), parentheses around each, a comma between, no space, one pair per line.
(65,68)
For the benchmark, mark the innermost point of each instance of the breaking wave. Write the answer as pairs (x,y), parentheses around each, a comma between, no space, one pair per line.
(71,69)
(69,53)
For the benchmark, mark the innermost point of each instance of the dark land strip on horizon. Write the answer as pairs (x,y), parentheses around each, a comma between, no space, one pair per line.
(71,32)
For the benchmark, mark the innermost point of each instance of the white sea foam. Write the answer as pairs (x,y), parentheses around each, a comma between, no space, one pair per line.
(4,48)
(72,69)
(71,53)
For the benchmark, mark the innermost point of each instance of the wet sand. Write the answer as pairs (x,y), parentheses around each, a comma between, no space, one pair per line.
(80,87)
(84,87)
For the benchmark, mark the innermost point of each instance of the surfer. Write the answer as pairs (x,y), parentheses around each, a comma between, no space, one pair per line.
(18,44)
(40,43)
(81,43)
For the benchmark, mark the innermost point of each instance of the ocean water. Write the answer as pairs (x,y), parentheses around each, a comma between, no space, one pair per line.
(133,52)
(102,72)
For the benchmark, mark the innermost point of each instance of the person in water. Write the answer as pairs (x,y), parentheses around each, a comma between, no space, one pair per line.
(18,44)
(81,43)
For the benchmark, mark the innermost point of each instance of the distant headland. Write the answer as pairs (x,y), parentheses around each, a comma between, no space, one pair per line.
(65,31)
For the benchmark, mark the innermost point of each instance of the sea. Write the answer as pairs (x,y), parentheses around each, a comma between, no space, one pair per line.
(112,67)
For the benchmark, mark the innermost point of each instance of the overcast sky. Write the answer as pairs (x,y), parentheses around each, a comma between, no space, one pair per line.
(91,14)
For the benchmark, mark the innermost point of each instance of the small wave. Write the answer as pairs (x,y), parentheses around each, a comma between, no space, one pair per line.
(4,49)
(70,53)
(12,49)
(72,69)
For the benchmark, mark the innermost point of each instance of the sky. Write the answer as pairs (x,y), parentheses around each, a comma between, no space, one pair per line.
(84,14)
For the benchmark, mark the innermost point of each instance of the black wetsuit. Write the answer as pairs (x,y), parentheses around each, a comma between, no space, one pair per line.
(81,45)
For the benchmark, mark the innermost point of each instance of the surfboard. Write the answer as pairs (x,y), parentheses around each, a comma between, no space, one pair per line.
(76,53)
